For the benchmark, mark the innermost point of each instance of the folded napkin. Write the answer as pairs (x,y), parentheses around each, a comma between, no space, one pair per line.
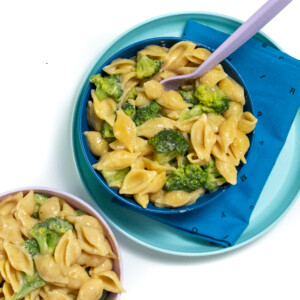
(273,80)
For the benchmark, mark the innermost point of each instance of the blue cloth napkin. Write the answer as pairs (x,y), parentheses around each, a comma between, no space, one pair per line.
(273,79)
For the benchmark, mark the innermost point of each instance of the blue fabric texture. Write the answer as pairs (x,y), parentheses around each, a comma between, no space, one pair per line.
(273,80)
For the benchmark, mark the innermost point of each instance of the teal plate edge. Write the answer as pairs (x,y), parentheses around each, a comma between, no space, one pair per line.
(276,201)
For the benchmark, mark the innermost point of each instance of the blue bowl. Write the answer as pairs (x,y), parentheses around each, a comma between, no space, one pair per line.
(129,52)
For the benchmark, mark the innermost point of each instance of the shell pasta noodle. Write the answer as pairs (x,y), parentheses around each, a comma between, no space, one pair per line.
(50,250)
(167,147)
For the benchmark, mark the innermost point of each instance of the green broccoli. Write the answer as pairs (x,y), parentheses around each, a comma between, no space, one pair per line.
(168,143)
(147,67)
(32,246)
(214,179)
(189,97)
(186,178)
(115,176)
(39,200)
(197,110)
(107,132)
(212,98)
(132,94)
(30,283)
(80,212)
(193,112)
(145,113)
(104,295)
(48,233)
(108,86)
(128,109)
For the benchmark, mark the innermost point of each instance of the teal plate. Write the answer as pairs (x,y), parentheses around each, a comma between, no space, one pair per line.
(280,191)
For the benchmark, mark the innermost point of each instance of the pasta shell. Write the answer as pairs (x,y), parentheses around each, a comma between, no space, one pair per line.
(67,250)
(125,130)
(142,199)
(105,110)
(198,55)
(213,76)
(177,55)
(202,138)
(178,198)
(10,230)
(50,208)
(106,265)
(49,270)
(247,122)
(76,276)
(97,144)
(232,90)
(19,258)
(227,170)
(116,160)
(227,132)
(235,110)
(8,205)
(119,66)
(93,241)
(111,282)
(93,121)
(240,146)
(172,100)
(152,127)
(153,89)
(91,289)
(136,181)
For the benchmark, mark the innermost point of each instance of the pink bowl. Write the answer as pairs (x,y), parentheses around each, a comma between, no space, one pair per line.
(78,203)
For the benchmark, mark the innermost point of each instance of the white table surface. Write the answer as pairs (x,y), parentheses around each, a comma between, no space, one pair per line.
(46,49)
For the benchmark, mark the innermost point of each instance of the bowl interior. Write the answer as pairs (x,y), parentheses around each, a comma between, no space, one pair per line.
(129,52)
(77,203)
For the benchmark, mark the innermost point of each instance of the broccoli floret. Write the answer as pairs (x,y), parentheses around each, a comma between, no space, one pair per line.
(168,143)
(147,67)
(104,295)
(80,212)
(214,178)
(107,132)
(115,176)
(212,98)
(186,178)
(189,97)
(193,112)
(39,200)
(48,233)
(32,246)
(128,109)
(197,110)
(108,86)
(30,283)
(132,94)
(145,113)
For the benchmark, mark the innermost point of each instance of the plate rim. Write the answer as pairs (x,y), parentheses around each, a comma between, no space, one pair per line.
(219,250)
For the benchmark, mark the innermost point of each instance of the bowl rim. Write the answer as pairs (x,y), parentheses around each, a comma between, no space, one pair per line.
(68,197)
(130,202)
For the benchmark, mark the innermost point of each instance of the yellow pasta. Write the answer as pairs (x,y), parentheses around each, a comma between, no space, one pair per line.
(125,130)
(202,138)
(205,116)
(65,252)
(152,127)
(172,100)
(213,76)
(232,90)
(97,144)
(116,160)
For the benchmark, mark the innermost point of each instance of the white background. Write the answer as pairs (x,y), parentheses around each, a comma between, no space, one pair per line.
(46,47)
